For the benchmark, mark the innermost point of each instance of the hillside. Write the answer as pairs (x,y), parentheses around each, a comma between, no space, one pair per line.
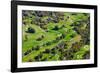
(53,36)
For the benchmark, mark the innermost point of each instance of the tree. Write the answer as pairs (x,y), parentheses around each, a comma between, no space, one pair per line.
(37,47)
(56,28)
(26,37)
(44,59)
(31,30)
(86,55)
(40,55)
(48,43)
(47,51)
(39,39)
(30,60)
(26,53)
(36,58)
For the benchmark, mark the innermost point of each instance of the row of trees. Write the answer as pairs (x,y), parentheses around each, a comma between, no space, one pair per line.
(52,52)
(44,44)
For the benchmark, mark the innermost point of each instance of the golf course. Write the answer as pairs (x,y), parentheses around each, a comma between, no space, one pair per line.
(55,36)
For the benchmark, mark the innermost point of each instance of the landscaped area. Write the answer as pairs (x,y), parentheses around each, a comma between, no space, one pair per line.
(55,36)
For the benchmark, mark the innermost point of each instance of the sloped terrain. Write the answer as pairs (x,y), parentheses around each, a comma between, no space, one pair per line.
(53,36)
